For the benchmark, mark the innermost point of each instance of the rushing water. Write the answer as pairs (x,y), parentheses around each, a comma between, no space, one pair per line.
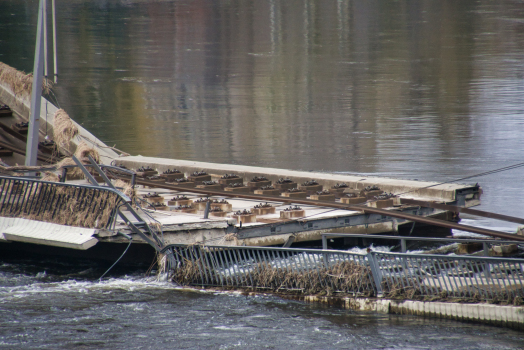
(429,89)
(42,307)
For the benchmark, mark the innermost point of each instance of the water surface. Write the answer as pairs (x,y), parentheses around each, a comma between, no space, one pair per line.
(42,307)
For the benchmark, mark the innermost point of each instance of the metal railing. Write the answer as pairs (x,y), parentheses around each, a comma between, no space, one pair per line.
(76,205)
(478,278)
(403,239)
(311,271)
(277,269)
(107,168)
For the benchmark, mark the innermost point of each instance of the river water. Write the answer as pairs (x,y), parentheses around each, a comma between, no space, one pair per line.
(430,90)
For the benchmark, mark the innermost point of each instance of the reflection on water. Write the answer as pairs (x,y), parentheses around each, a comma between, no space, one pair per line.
(415,89)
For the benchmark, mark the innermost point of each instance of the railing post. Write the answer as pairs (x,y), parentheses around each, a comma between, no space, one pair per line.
(88,176)
(375,271)
(324,242)
(206,212)
(64,175)
(487,270)
(403,245)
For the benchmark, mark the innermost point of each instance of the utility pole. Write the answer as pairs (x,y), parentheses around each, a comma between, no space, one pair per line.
(36,94)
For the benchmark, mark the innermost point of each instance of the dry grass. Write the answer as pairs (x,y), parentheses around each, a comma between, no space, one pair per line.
(83,150)
(49,176)
(75,172)
(82,207)
(21,84)
(24,167)
(127,189)
(63,129)
(346,277)
(162,264)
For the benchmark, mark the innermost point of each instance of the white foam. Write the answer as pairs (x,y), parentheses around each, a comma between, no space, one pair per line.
(8,293)
(382,249)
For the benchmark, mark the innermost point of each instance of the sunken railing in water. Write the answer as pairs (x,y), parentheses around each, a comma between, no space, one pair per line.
(310,271)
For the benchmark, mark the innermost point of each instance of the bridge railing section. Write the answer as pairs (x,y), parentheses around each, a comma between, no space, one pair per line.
(273,269)
(311,271)
(60,203)
(449,276)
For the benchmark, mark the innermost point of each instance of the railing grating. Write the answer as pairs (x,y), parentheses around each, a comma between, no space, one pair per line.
(315,271)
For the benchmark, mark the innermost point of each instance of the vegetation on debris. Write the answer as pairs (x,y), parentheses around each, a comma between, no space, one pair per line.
(75,206)
(20,83)
(346,277)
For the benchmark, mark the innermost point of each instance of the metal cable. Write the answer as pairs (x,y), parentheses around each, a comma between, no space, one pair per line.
(494,171)
(121,256)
